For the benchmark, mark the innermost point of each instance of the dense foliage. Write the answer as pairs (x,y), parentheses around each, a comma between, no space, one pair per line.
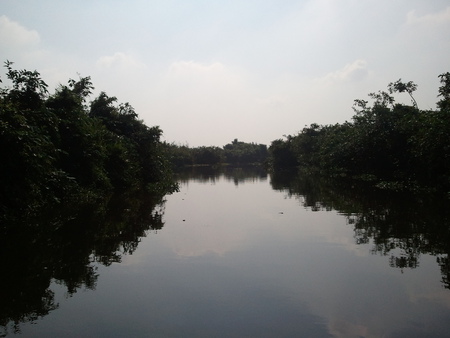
(56,147)
(393,145)
(80,184)
(234,153)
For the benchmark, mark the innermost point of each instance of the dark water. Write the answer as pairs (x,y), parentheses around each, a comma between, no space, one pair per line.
(239,253)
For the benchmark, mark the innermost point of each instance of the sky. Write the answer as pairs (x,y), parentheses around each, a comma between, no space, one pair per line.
(208,71)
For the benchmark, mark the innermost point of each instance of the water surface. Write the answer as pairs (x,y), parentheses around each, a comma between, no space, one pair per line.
(241,253)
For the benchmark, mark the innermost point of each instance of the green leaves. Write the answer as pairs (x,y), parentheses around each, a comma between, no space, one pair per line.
(400,87)
(55,147)
(444,92)
(25,80)
(396,144)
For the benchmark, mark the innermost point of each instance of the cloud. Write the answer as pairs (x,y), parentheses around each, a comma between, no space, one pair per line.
(216,101)
(422,43)
(194,73)
(203,87)
(12,34)
(439,18)
(352,72)
(120,62)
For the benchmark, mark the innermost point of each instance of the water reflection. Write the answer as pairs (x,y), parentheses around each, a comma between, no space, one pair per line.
(63,247)
(207,174)
(234,258)
(400,226)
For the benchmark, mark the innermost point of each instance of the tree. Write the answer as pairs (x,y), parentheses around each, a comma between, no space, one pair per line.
(27,132)
(399,86)
(444,92)
(28,89)
(208,155)
(54,147)
(382,99)
(282,154)
(238,152)
(390,144)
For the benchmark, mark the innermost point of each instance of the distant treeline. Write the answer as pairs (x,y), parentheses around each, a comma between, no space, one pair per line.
(391,145)
(56,147)
(234,153)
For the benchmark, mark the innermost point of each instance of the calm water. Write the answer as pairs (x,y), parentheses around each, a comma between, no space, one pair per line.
(244,254)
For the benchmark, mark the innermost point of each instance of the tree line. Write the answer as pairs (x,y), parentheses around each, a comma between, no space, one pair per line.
(234,153)
(391,145)
(57,147)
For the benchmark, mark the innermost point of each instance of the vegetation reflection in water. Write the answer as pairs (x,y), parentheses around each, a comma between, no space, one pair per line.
(66,247)
(401,227)
(230,173)
(398,225)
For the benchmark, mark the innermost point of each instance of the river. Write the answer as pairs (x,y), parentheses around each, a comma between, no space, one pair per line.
(241,253)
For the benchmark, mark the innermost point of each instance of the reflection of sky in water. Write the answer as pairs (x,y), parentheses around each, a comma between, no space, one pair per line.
(245,261)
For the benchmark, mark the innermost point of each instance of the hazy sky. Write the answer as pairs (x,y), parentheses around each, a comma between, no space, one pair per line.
(210,71)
